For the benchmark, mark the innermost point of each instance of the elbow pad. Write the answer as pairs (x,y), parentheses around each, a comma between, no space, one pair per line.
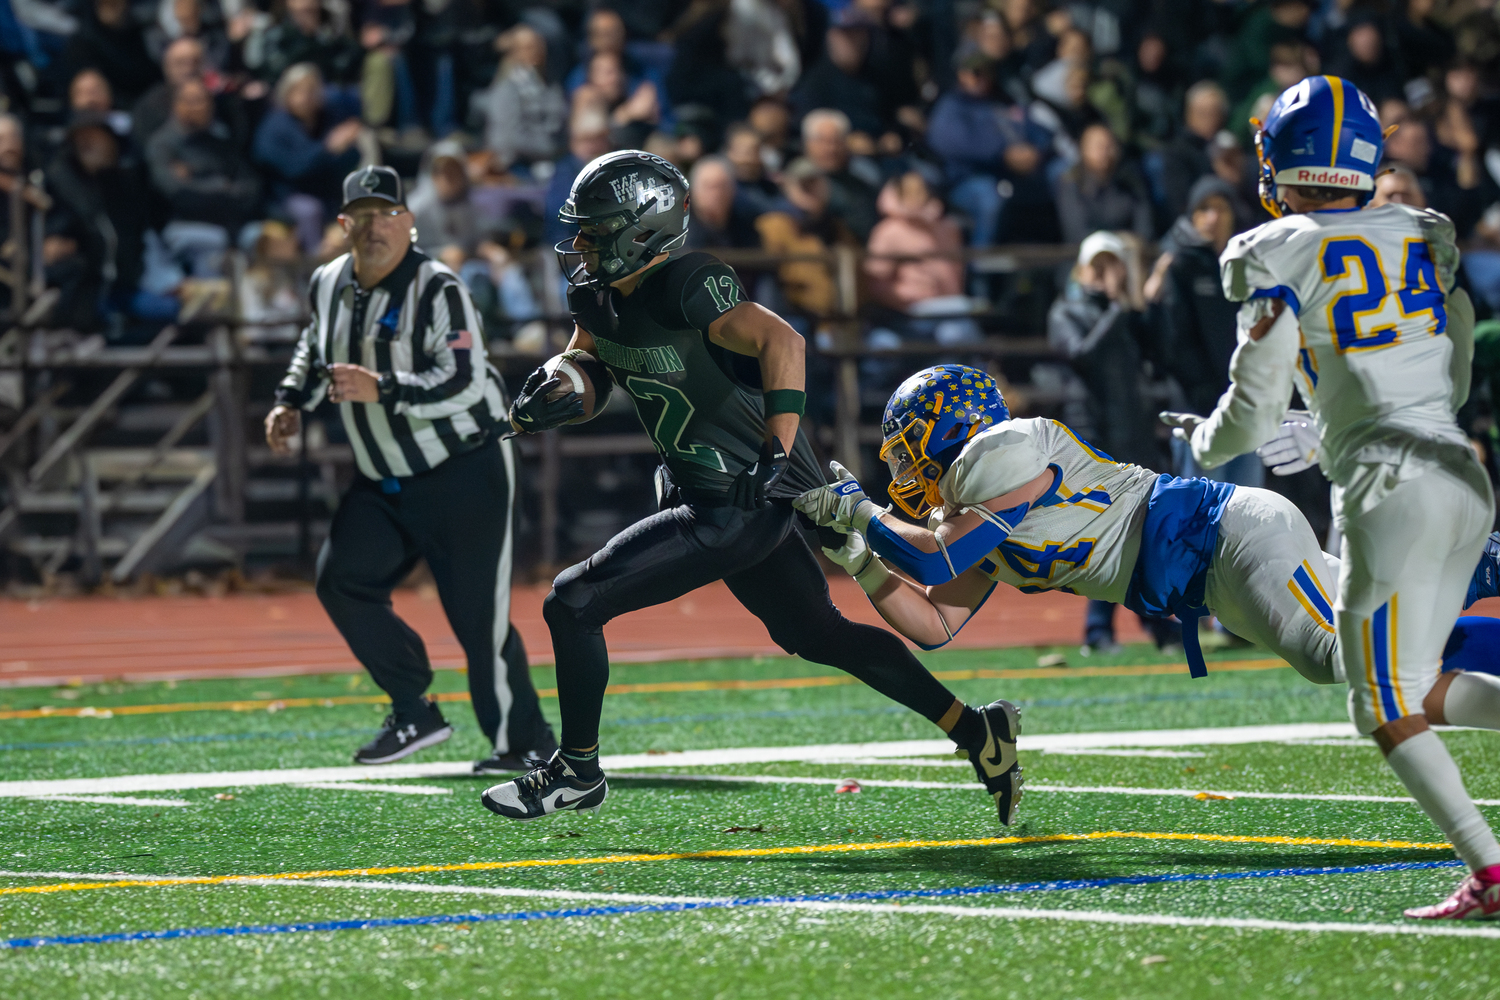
(931,568)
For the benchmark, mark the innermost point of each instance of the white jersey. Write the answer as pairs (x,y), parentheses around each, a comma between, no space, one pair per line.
(1082,536)
(1367,287)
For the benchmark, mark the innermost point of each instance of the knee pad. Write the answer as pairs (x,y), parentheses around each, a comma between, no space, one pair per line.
(570,603)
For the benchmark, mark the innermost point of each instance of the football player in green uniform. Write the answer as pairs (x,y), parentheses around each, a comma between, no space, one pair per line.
(718,382)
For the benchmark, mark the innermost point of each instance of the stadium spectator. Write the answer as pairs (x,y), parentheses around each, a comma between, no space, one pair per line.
(1253,45)
(1449,176)
(772,119)
(1188,157)
(982,141)
(633,112)
(177,19)
(387,93)
(717,218)
(803,222)
(763,44)
(606,35)
(303,34)
(306,145)
(98,208)
(12,171)
(1064,84)
(183,61)
(1200,331)
(209,188)
(838,81)
(924,292)
(1420,43)
(1289,64)
(588,138)
(852,184)
(1367,62)
(109,40)
(90,91)
(1100,192)
(1398,186)
(525,115)
(1154,93)
(701,72)
(272,287)
(746,152)
(445,215)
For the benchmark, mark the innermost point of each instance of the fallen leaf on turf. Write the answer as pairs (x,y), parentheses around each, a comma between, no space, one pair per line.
(655,752)
(223,796)
(757,828)
(1213,797)
(1154,959)
(1052,660)
(848,785)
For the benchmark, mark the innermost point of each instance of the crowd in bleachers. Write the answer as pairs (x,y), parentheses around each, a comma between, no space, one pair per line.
(169,132)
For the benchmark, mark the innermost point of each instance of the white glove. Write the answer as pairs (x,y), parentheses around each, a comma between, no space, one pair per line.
(860,562)
(841,505)
(1295,446)
(1182,424)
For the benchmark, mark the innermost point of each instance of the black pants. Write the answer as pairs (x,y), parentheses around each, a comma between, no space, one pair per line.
(457,517)
(769,568)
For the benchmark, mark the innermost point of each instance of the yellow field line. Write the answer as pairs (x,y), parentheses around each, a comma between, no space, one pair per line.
(749,852)
(661,687)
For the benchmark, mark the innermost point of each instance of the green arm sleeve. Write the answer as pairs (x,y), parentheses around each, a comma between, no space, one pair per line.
(1461,332)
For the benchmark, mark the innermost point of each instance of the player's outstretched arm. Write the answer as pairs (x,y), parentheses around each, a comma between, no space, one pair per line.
(1260,372)
(928,616)
(755,331)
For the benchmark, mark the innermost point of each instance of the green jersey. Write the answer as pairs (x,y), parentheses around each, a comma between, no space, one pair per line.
(700,403)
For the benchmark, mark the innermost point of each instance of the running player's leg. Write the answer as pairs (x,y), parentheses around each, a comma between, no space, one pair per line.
(366,555)
(1407,563)
(1269,582)
(788,592)
(653,561)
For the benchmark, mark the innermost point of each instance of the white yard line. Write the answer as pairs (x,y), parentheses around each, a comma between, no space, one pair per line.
(1425,929)
(1165,738)
(112,800)
(1105,752)
(368,786)
(479,890)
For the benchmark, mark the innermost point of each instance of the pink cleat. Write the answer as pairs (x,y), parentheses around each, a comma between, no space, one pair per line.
(1476,898)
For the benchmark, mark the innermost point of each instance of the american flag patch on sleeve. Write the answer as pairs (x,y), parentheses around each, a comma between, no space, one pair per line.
(461,340)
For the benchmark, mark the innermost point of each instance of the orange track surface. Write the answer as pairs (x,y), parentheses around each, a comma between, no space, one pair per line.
(249,635)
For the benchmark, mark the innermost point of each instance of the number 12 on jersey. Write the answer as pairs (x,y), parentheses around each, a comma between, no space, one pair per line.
(1371,316)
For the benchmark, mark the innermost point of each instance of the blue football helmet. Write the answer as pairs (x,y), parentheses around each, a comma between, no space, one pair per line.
(927,421)
(1322,132)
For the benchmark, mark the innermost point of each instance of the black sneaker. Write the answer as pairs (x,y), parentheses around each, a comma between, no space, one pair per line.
(995,760)
(519,760)
(551,788)
(401,736)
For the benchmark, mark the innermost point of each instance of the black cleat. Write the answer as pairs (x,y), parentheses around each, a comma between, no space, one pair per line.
(554,787)
(519,760)
(401,736)
(995,762)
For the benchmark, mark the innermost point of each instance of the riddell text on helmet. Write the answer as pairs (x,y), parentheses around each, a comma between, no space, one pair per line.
(1325,177)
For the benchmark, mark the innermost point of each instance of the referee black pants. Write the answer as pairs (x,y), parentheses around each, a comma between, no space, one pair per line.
(769,568)
(457,517)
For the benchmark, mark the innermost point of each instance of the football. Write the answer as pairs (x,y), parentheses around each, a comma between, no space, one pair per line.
(580,372)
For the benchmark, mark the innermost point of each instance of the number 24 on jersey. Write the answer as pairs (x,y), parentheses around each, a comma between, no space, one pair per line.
(1370,310)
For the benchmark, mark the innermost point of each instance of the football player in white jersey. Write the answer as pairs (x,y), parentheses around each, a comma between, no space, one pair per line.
(1359,306)
(1028,503)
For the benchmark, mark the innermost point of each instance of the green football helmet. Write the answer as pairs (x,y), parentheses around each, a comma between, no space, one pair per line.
(629,206)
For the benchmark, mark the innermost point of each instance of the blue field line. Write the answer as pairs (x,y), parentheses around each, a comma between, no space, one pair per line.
(376,923)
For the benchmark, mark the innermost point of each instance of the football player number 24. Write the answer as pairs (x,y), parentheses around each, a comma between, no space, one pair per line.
(1369,315)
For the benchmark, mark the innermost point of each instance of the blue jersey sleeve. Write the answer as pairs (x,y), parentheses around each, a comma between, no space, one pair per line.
(949,561)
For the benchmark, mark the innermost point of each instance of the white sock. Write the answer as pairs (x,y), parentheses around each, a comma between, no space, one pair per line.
(1473,700)
(1428,772)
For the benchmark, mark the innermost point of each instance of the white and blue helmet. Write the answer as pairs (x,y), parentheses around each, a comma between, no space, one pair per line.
(1322,132)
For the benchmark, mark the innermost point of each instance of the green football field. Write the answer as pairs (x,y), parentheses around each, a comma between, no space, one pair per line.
(212,839)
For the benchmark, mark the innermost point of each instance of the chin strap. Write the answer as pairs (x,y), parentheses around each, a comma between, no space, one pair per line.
(1267,176)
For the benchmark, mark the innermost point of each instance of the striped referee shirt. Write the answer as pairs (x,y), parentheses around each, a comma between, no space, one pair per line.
(420,324)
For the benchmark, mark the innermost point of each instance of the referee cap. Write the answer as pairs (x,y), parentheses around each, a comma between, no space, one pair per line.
(372,182)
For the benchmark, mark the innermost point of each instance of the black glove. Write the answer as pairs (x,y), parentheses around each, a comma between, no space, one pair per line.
(751,487)
(532,411)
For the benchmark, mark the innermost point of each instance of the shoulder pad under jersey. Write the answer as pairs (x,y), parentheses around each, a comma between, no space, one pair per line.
(997,461)
(1245,265)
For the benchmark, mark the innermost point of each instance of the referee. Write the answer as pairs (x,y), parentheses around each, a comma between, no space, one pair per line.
(395,341)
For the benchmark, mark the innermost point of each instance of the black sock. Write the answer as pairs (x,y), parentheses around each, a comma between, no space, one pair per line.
(968,731)
(584,763)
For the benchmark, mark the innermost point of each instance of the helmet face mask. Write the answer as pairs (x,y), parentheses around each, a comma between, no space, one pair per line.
(927,422)
(630,206)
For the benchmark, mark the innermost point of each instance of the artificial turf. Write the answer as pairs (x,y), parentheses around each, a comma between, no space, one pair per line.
(617,940)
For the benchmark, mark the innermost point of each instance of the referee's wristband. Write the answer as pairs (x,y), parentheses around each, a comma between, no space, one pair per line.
(785,401)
